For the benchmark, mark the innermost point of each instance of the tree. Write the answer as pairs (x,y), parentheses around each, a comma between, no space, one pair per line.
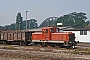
(1,27)
(33,24)
(66,20)
(19,22)
(10,27)
(87,24)
(74,19)
(79,19)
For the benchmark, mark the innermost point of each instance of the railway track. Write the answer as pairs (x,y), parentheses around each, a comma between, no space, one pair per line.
(39,52)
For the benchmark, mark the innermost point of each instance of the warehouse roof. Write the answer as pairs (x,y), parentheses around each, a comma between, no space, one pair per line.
(40,29)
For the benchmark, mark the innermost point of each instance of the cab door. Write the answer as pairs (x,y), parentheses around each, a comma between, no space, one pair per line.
(46,34)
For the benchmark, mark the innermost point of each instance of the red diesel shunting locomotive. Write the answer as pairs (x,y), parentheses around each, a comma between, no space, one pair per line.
(51,35)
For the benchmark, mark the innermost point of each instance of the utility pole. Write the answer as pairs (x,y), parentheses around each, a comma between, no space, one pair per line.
(26,19)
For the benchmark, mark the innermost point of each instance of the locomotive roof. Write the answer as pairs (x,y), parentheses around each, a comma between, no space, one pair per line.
(47,27)
(13,31)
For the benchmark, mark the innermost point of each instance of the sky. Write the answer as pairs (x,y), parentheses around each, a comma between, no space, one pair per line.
(40,9)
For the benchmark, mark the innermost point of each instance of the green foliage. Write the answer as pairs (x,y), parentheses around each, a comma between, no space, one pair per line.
(18,21)
(76,20)
(66,20)
(8,27)
(88,26)
(85,51)
(1,27)
(10,47)
(31,24)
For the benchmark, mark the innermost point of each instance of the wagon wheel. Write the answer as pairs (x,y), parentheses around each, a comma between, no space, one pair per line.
(21,43)
(5,42)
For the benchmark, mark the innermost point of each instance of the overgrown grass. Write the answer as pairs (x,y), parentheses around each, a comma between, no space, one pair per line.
(83,51)
(9,47)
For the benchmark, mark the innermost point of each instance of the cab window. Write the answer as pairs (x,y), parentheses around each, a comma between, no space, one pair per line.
(57,30)
(52,30)
(46,31)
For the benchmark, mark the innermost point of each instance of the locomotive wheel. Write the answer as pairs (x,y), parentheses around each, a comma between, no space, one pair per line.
(60,45)
(43,43)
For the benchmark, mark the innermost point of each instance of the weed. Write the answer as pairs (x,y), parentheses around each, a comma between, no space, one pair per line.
(9,47)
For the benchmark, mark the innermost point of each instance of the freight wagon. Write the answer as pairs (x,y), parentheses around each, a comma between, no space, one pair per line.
(15,37)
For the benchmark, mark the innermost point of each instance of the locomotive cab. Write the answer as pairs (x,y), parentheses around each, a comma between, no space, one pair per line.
(46,32)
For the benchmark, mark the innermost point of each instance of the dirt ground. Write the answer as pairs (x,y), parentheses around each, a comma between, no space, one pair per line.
(16,52)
